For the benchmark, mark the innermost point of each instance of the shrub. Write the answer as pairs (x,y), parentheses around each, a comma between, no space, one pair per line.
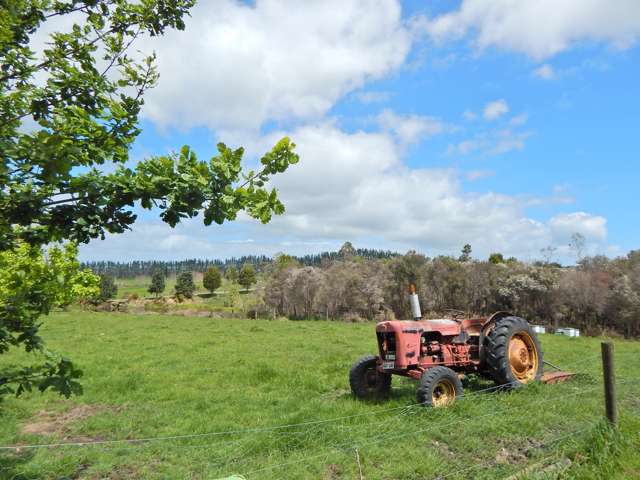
(247,276)
(31,285)
(108,288)
(212,279)
(157,283)
(185,286)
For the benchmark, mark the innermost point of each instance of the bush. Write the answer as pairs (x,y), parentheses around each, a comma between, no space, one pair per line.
(185,286)
(108,288)
(157,283)
(247,276)
(212,279)
(31,285)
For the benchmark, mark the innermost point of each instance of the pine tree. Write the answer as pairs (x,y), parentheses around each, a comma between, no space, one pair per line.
(466,254)
(157,283)
(212,279)
(108,288)
(247,276)
(185,286)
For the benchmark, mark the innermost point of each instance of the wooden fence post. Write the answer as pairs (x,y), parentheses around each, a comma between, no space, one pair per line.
(609,382)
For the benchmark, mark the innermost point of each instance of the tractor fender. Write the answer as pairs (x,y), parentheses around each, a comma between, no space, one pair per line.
(486,328)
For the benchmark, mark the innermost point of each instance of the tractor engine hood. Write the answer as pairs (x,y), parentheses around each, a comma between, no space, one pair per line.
(444,326)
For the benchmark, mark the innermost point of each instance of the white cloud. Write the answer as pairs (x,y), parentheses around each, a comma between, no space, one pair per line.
(545,71)
(373,96)
(465,147)
(469,115)
(494,110)
(154,240)
(356,186)
(519,120)
(474,175)
(508,140)
(538,28)
(495,142)
(593,227)
(238,65)
(411,128)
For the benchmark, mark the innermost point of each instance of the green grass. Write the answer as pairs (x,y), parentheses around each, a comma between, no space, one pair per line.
(139,286)
(154,375)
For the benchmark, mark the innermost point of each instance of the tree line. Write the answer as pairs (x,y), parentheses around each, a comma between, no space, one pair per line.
(137,268)
(598,295)
(185,285)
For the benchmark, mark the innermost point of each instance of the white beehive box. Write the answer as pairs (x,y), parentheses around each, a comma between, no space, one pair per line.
(539,329)
(569,332)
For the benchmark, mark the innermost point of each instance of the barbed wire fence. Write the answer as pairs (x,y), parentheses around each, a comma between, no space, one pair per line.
(361,446)
(394,427)
(401,409)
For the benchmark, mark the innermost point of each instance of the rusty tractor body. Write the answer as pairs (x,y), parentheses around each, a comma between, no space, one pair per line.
(437,353)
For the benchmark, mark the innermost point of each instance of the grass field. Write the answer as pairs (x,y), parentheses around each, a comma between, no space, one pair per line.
(162,376)
(139,285)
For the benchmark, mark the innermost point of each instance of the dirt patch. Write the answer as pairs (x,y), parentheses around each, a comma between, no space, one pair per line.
(507,457)
(519,454)
(120,473)
(57,423)
(541,472)
(443,448)
(332,472)
(193,313)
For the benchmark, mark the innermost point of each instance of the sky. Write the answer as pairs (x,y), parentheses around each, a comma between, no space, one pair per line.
(506,124)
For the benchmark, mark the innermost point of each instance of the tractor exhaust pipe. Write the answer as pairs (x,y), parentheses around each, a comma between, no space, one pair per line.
(415,303)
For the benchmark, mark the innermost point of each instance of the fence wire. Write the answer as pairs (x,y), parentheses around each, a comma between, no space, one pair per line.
(349,446)
(401,409)
(309,427)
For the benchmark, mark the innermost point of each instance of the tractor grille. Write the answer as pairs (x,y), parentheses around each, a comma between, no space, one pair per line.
(387,344)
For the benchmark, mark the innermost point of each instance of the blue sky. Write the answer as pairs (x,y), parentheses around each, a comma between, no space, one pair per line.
(508,125)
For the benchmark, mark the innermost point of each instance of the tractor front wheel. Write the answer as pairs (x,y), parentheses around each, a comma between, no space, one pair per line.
(439,387)
(366,381)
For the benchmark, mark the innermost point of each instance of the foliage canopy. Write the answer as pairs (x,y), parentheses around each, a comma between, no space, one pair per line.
(211,280)
(108,288)
(69,112)
(157,283)
(247,276)
(184,285)
(31,285)
(73,107)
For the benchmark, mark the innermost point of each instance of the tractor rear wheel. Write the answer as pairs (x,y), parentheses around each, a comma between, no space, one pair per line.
(512,353)
(366,381)
(439,387)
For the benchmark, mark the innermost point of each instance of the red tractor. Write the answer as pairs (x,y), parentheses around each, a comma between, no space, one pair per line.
(502,347)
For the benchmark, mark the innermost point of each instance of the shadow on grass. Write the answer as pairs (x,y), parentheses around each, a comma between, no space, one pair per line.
(405,389)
